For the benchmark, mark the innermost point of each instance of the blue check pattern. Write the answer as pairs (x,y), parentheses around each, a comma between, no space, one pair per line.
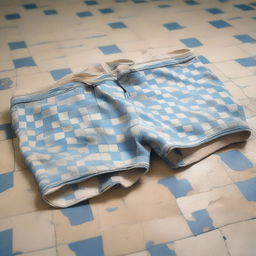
(80,139)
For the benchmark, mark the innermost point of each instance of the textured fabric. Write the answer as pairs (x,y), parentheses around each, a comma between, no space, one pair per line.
(86,135)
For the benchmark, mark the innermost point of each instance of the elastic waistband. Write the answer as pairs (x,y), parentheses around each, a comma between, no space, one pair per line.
(123,66)
(94,75)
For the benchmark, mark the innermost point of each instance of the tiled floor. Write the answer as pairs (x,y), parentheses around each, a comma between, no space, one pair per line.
(206,209)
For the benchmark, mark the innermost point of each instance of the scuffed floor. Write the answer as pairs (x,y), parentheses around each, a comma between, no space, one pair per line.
(206,209)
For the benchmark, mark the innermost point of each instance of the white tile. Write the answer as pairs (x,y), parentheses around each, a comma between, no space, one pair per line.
(210,243)
(240,238)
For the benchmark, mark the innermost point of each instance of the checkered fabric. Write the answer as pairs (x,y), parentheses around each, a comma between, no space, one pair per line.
(80,139)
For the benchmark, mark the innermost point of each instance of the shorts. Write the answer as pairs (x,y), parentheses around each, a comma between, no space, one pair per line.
(92,131)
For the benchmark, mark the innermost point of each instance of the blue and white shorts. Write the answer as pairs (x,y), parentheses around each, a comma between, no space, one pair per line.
(92,131)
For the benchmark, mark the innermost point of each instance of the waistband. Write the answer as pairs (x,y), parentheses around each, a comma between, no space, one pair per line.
(94,75)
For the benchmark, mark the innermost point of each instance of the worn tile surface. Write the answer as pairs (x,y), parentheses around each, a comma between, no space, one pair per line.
(205,209)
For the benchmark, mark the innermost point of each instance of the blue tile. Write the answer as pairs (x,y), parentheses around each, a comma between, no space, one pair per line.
(12,16)
(159,249)
(202,222)
(117,25)
(30,6)
(245,38)
(191,2)
(24,62)
(50,12)
(6,181)
(5,84)
(91,2)
(17,45)
(109,49)
(244,7)
(8,132)
(248,189)
(173,26)
(79,213)
(164,5)
(139,1)
(247,62)
(111,209)
(254,3)
(84,14)
(6,242)
(178,187)
(191,42)
(121,1)
(235,160)
(106,10)
(219,24)
(59,73)
(203,59)
(214,11)
(92,246)
(235,18)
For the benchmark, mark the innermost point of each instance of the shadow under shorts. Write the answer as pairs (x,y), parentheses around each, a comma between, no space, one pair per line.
(82,137)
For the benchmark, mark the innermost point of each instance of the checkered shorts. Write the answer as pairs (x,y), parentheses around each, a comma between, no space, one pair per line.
(93,131)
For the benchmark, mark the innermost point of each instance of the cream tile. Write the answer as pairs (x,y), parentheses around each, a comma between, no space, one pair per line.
(65,250)
(25,195)
(161,203)
(143,253)
(52,64)
(112,209)
(47,252)
(218,72)
(210,244)
(5,98)
(166,229)
(49,50)
(237,92)
(6,150)
(31,232)
(20,53)
(250,91)
(33,82)
(7,72)
(84,58)
(222,53)
(232,69)
(77,232)
(206,175)
(224,205)
(115,239)
(240,238)
(245,81)
(27,70)
(250,48)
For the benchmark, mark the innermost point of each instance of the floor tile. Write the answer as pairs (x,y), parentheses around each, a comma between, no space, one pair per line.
(210,243)
(46,252)
(119,235)
(166,229)
(207,208)
(7,163)
(24,193)
(24,228)
(79,229)
(221,205)
(240,238)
